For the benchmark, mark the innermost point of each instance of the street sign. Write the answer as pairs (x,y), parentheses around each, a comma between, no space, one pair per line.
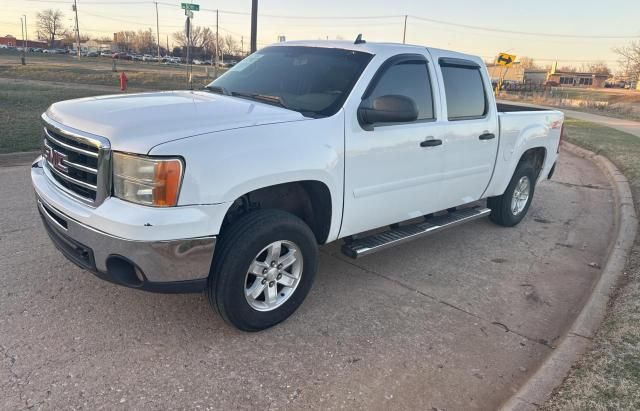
(190,6)
(505,59)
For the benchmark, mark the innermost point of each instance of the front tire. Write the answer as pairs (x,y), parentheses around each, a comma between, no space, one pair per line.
(510,208)
(263,269)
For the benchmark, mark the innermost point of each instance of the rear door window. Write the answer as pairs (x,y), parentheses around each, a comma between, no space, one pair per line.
(464,90)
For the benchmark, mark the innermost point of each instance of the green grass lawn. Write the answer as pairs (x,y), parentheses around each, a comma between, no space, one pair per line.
(20,110)
(608,377)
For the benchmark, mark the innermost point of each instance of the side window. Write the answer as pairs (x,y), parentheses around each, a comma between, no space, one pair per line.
(464,89)
(410,79)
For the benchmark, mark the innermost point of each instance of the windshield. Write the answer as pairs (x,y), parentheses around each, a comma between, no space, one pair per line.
(314,81)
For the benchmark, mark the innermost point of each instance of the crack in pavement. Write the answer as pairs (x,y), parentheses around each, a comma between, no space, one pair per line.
(581,336)
(12,361)
(591,186)
(502,326)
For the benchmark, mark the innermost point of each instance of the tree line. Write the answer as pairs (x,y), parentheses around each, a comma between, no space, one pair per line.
(50,27)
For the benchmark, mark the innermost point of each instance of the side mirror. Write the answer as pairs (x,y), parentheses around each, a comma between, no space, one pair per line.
(387,109)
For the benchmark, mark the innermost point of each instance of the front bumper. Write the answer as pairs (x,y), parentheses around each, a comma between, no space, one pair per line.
(176,265)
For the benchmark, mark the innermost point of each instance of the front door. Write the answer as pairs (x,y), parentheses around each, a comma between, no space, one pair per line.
(392,172)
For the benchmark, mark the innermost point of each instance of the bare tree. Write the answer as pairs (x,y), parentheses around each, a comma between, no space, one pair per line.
(629,56)
(230,45)
(598,67)
(197,34)
(124,39)
(528,63)
(568,69)
(144,41)
(50,25)
(202,38)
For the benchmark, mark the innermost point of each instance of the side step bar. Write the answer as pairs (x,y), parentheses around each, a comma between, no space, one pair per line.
(376,242)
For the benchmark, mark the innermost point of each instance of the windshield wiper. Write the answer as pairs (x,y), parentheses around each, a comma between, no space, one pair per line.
(265,98)
(218,89)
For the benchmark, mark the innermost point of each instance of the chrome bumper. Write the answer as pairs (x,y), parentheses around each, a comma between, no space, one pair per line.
(161,266)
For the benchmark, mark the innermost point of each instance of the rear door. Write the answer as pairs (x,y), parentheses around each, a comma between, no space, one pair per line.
(391,174)
(472,135)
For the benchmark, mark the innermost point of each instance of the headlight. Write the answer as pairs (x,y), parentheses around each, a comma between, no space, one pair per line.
(153,181)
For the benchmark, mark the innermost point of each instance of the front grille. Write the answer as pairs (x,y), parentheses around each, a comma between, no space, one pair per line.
(78,164)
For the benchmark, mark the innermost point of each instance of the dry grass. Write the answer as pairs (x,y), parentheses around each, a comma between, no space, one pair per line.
(608,377)
(617,103)
(20,109)
(99,70)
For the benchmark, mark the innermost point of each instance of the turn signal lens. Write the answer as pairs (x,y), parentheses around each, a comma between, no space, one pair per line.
(168,175)
(152,181)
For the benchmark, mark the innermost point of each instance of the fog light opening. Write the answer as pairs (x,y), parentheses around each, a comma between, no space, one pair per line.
(123,271)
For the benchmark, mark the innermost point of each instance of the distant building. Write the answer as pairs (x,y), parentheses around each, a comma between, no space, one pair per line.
(97,46)
(517,74)
(576,79)
(11,41)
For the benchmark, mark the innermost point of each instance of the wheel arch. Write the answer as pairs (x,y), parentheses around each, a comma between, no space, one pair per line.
(309,200)
(536,156)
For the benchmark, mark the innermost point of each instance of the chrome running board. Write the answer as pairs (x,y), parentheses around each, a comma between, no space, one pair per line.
(401,234)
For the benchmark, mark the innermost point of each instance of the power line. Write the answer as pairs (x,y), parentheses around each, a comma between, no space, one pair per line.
(526,33)
(355,18)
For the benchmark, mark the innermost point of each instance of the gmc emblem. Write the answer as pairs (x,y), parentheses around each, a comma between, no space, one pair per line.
(55,158)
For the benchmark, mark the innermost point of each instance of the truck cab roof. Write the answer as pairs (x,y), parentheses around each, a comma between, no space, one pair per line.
(375,48)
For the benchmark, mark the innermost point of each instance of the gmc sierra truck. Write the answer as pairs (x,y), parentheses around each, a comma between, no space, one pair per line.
(230,189)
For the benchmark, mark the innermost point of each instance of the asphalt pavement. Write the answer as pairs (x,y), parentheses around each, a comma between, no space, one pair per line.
(454,321)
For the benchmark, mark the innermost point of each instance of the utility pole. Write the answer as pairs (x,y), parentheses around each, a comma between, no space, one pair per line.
(404,34)
(25,39)
(75,9)
(22,26)
(242,45)
(215,61)
(167,44)
(254,25)
(188,33)
(158,30)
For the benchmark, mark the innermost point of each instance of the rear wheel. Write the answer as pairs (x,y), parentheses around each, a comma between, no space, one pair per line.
(510,208)
(263,269)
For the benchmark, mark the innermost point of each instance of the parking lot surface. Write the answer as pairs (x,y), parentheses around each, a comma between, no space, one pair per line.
(458,320)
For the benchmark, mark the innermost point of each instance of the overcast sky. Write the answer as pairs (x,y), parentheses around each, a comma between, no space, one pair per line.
(552,21)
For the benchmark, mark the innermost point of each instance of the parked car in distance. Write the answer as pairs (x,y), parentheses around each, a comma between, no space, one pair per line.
(122,56)
(106,53)
(233,187)
(171,59)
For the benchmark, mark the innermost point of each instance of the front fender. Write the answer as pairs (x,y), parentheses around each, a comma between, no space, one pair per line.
(222,166)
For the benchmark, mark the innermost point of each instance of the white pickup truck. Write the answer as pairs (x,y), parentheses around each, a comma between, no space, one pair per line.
(231,189)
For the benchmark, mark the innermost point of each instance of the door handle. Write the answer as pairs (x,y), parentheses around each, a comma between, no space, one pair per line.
(431,143)
(487,136)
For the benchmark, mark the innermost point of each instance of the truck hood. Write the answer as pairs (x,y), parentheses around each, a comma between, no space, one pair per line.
(138,122)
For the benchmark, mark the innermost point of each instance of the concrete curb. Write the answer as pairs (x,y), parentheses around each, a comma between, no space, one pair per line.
(18,159)
(578,339)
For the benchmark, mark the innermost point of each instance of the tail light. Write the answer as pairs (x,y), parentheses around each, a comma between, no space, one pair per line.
(561,137)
